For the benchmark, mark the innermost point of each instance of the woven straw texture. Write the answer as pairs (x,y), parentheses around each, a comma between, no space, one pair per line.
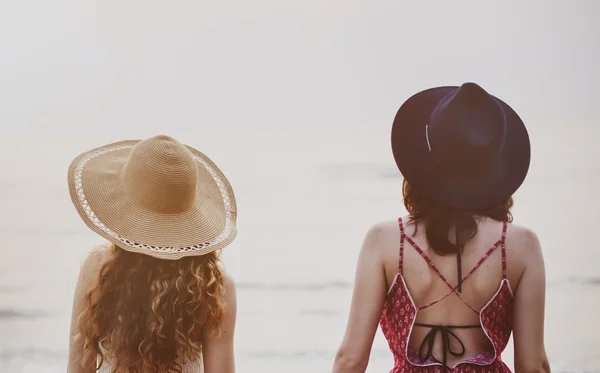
(156,197)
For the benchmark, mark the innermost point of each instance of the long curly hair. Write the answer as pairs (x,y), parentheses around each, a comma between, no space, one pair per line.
(149,313)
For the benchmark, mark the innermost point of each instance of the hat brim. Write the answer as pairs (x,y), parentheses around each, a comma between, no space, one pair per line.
(420,168)
(96,191)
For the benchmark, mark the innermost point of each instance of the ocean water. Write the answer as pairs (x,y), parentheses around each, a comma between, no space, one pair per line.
(294,101)
(306,197)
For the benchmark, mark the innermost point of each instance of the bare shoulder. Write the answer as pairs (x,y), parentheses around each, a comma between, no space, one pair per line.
(229,288)
(229,282)
(96,258)
(380,234)
(230,296)
(523,241)
(93,263)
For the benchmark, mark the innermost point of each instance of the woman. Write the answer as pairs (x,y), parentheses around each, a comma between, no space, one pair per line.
(156,299)
(463,153)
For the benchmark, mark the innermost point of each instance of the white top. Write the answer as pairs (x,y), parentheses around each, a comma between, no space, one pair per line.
(194,366)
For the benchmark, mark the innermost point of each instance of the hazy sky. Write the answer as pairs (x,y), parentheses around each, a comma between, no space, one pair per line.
(80,65)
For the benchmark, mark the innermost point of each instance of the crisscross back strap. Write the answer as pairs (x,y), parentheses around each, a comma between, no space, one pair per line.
(503,244)
(401,253)
(446,296)
(428,260)
(453,289)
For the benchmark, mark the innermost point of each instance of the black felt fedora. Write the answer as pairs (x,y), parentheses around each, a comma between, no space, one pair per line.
(461,146)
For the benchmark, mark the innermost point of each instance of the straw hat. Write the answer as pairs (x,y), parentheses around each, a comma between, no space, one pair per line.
(156,197)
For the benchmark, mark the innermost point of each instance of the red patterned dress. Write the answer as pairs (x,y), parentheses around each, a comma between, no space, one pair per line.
(400,311)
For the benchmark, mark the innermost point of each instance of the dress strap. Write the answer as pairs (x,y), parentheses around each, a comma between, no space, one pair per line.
(401,253)
(428,260)
(503,248)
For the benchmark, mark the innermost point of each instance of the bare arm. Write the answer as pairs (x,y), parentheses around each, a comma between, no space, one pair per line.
(218,351)
(365,311)
(87,278)
(528,313)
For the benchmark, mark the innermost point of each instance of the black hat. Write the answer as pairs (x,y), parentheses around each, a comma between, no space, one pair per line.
(461,146)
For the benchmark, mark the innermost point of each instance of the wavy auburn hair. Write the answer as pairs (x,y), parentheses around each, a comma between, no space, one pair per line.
(440,221)
(149,313)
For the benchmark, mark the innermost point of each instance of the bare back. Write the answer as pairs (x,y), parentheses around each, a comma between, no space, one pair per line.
(438,303)
(378,279)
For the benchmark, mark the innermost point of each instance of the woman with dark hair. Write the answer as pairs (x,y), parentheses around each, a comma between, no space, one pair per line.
(449,283)
(156,298)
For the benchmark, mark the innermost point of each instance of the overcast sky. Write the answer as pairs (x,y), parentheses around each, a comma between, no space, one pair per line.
(83,65)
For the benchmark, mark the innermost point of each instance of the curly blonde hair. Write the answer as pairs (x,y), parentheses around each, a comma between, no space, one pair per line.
(150,313)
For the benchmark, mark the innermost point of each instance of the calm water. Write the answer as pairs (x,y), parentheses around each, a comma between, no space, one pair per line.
(294,101)
(306,197)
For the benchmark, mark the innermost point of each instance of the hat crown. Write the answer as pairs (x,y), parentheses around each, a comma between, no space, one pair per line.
(161,175)
(467,129)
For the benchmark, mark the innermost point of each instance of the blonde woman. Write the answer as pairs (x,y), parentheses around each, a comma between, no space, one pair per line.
(156,298)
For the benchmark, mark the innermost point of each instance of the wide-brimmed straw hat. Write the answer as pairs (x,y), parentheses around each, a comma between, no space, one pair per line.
(461,146)
(156,197)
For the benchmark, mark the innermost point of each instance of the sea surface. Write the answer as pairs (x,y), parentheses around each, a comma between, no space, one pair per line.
(306,197)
